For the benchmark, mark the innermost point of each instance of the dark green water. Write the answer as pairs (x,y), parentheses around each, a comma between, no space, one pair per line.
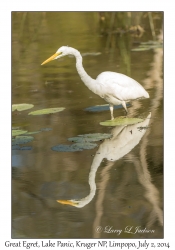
(129,178)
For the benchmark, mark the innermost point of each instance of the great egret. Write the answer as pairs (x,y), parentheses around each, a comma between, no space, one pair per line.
(121,143)
(114,88)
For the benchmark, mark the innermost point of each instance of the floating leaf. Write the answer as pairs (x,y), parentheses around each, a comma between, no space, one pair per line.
(90,137)
(46,111)
(148,45)
(38,131)
(141,49)
(91,54)
(99,108)
(17,147)
(16,132)
(65,148)
(81,142)
(121,121)
(26,148)
(14,128)
(22,106)
(86,145)
(21,139)
(46,129)
(74,147)
(32,133)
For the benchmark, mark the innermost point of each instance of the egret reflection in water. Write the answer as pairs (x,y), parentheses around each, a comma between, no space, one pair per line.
(124,139)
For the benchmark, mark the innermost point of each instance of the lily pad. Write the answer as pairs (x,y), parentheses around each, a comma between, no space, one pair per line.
(141,49)
(32,133)
(86,145)
(74,147)
(17,147)
(38,131)
(148,45)
(91,54)
(100,108)
(46,129)
(90,137)
(46,111)
(16,132)
(22,106)
(21,139)
(121,121)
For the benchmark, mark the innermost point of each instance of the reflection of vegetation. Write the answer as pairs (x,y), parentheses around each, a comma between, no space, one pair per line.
(124,48)
(122,27)
(128,22)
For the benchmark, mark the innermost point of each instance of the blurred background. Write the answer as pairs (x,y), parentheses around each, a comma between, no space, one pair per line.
(130,188)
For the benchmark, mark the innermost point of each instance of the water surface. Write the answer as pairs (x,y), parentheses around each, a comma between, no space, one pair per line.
(125,174)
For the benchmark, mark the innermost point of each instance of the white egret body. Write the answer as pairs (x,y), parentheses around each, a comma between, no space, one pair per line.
(114,88)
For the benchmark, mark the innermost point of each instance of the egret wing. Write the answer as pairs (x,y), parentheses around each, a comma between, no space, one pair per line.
(120,86)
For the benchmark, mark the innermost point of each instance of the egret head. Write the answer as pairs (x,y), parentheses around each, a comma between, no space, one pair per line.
(62,51)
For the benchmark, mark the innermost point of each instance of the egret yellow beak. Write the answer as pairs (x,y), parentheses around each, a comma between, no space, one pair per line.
(51,58)
(67,202)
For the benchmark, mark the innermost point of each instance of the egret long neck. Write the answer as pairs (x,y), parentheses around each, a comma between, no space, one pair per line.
(88,81)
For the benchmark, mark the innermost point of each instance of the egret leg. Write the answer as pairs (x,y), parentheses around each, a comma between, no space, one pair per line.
(124,105)
(111,109)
